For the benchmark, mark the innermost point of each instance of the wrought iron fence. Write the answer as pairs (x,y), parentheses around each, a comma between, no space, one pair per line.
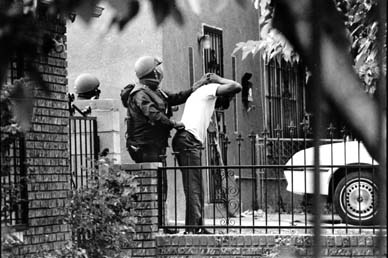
(14,195)
(83,145)
(274,192)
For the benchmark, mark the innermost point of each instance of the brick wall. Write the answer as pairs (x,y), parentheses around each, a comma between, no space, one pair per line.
(147,209)
(47,153)
(149,242)
(265,246)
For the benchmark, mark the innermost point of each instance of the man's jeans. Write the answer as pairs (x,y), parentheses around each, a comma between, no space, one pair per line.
(189,154)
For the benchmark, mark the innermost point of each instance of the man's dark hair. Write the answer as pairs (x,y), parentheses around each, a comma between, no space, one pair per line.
(223,102)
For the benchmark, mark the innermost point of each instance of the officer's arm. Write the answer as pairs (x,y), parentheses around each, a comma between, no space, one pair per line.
(178,98)
(149,110)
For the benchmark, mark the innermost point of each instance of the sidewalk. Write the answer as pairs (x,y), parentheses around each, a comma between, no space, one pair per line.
(276,223)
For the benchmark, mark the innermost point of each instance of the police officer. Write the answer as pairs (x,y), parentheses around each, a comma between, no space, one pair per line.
(149,113)
(86,86)
(149,109)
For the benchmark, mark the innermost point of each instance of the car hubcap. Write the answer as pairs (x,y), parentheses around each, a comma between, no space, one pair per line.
(360,199)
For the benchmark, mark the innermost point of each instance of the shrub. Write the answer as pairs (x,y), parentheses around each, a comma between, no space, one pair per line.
(102,215)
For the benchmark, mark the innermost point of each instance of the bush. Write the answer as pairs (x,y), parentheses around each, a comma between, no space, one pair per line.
(102,215)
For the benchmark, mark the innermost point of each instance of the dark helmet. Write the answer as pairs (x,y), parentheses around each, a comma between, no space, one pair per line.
(85,83)
(145,65)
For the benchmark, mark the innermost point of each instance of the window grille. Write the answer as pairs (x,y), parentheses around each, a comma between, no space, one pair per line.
(213,57)
(191,67)
(14,195)
(285,97)
(213,63)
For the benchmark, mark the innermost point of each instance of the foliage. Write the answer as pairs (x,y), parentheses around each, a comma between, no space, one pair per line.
(102,215)
(8,241)
(360,18)
(272,43)
(8,127)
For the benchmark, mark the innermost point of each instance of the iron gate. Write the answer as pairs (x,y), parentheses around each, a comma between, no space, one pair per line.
(83,145)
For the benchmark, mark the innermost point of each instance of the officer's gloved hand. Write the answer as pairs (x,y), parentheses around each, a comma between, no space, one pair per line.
(179,125)
(204,80)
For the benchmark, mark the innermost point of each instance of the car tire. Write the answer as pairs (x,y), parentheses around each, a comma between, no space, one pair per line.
(356,198)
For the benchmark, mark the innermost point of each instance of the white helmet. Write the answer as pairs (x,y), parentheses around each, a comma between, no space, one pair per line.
(85,82)
(146,64)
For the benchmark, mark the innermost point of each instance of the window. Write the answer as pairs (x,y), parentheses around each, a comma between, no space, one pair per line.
(284,98)
(213,57)
(213,63)
(14,195)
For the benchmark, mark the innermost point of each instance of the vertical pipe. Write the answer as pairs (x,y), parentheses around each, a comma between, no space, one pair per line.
(91,157)
(81,152)
(266,180)
(292,130)
(278,132)
(331,131)
(75,154)
(85,122)
(70,143)
(239,139)
(317,121)
(23,180)
(253,162)
(305,130)
(175,191)
(382,99)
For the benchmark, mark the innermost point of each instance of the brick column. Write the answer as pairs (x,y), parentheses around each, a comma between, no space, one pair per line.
(147,208)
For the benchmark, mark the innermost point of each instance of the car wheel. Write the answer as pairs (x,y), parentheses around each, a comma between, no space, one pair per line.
(356,198)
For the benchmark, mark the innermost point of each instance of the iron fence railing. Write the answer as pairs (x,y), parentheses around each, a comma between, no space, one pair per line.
(14,183)
(274,192)
(83,146)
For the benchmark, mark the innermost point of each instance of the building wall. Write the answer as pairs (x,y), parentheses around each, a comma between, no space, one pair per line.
(47,154)
(237,24)
(110,54)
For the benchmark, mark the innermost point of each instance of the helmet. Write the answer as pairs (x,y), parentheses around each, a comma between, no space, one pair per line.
(146,64)
(85,82)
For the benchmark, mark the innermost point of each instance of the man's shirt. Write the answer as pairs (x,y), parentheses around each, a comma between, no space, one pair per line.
(199,109)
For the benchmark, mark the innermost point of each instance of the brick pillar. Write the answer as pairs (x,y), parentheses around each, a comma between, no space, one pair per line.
(147,208)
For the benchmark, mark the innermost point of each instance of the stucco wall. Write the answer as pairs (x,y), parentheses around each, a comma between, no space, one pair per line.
(237,24)
(110,54)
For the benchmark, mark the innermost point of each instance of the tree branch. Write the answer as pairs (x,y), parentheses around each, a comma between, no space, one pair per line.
(340,84)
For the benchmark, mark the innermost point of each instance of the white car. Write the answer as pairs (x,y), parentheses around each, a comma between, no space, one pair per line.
(347,176)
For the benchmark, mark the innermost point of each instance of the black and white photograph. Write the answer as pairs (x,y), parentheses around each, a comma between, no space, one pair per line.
(193,128)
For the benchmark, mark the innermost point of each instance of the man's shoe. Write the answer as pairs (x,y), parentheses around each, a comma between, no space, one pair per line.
(170,231)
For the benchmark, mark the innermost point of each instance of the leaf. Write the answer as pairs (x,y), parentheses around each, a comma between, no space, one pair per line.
(245,53)
(125,13)
(195,6)
(176,14)
(86,9)
(23,102)
(161,9)
(238,47)
(220,5)
(242,3)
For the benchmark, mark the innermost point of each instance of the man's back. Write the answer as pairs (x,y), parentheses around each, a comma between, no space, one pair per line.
(198,110)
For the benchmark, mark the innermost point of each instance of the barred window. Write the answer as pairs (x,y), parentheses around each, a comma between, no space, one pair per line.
(14,195)
(284,97)
(213,63)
